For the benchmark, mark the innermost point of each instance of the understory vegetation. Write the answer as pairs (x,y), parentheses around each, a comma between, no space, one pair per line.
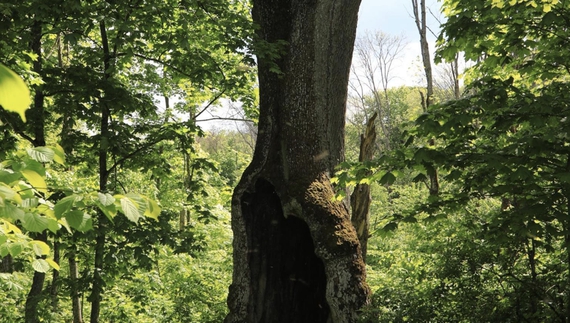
(115,203)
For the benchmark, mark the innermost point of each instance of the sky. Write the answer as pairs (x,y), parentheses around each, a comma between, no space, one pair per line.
(395,17)
(390,16)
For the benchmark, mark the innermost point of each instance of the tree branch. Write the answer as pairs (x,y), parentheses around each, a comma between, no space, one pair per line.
(226,119)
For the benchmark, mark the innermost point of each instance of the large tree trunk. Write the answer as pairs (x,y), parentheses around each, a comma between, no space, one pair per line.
(296,254)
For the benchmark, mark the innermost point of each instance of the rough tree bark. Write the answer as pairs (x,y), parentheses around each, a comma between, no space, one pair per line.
(296,254)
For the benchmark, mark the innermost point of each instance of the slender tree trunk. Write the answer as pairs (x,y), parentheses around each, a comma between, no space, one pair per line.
(54,289)
(97,290)
(35,295)
(567,289)
(531,254)
(182,219)
(66,130)
(360,199)
(565,305)
(421,24)
(36,114)
(36,120)
(296,254)
(76,305)
(455,76)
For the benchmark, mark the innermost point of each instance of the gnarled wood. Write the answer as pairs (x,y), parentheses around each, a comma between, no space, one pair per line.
(360,198)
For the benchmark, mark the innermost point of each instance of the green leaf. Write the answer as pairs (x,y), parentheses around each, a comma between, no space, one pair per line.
(106,199)
(40,248)
(4,250)
(130,209)
(365,181)
(109,211)
(8,283)
(34,222)
(419,178)
(53,225)
(65,204)
(340,195)
(40,265)
(25,190)
(8,227)
(35,179)
(11,211)
(152,209)
(564,177)
(6,192)
(14,94)
(34,165)
(52,264)
(9,177)
(79,220)
(63,222)
(387,179)
(30,202)
(59,154)
(390,226)
(15,249)
(41,154)
(139,201)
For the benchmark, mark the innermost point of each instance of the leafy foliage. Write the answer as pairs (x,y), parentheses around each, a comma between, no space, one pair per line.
(26,206)
(97,72)
(14,94)
(496,237)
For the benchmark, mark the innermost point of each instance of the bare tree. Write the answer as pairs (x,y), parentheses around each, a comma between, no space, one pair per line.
(371,73)
(446,81)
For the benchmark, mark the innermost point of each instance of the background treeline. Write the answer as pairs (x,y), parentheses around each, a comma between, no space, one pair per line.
(470,184)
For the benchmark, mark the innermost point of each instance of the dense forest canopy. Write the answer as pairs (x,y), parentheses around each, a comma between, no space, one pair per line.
(115,204)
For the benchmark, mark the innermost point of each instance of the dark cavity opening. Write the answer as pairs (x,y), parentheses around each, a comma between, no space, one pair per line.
(288,279)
